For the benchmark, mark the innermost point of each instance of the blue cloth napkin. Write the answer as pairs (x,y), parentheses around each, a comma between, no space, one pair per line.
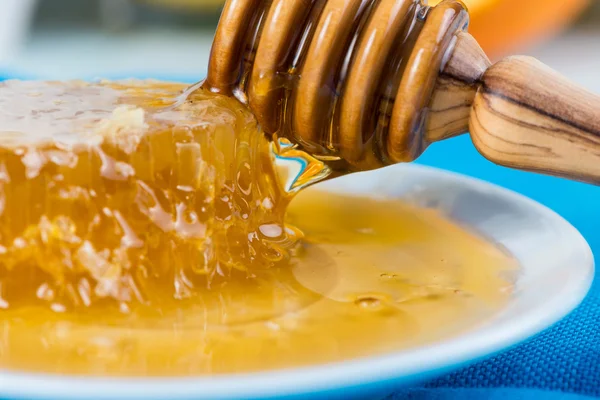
(487,394)
(563,361)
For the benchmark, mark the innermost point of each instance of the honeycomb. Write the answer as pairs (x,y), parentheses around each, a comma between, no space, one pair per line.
(129,192)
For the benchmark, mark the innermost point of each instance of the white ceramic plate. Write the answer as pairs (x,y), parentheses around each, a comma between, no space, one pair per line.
(557,271)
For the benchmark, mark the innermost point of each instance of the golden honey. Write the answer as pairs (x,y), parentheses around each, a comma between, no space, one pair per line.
(390,277)
(130,193)
(145,230)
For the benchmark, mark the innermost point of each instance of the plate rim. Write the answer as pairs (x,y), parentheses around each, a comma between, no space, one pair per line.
(463,348)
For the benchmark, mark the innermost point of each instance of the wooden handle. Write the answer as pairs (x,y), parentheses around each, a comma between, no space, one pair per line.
(527,116)
(362,84)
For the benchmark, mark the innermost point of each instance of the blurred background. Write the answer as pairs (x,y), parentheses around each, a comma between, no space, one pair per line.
(170,39)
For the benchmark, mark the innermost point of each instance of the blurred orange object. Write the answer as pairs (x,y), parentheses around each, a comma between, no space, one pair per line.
(507,26)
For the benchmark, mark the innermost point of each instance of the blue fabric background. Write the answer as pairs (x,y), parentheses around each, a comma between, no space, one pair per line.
(564,359)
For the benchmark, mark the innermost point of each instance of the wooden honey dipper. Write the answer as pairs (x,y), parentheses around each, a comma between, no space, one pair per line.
(374,82)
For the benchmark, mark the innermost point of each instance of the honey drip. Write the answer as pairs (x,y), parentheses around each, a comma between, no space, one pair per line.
(353,83)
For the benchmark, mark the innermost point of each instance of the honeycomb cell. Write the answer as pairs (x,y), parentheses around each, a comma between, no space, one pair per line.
(131,192)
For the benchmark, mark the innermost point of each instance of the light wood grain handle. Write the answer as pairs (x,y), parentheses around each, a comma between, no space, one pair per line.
(527,116)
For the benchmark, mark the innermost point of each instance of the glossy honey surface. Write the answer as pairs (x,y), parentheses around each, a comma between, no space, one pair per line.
(129,193)
(146,231)
(389,278)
